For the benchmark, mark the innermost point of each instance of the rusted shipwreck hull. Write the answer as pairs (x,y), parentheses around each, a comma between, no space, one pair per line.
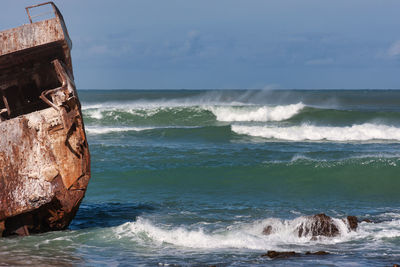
(44,156)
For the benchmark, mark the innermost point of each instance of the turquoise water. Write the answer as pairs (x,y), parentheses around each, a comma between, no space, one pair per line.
(190,178)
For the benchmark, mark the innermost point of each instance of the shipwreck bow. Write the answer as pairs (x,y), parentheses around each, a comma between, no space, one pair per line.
(44,155)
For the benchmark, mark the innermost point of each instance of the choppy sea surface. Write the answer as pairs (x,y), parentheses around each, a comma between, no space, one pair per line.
(191,178)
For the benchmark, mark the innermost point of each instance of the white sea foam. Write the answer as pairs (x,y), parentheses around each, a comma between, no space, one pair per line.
(360,132)
(251,113)
(249,235)
(196,238)
(94,113)
(104,130)
(95,130)
(98,112)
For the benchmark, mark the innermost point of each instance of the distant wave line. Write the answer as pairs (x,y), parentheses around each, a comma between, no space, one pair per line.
(223,113)
(96,130)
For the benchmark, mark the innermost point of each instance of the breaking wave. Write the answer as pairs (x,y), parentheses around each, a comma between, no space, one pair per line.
(220,118)
(97,130)
(181,114)
(106,130)
(241,235)
(261,114)
(190,113)
(304,132)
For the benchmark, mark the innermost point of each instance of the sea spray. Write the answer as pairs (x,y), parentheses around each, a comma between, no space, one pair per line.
(254,113)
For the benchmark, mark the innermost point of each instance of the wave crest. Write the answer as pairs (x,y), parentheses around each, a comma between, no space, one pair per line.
(304,132)
(105,130)
(261,114)
(225,113)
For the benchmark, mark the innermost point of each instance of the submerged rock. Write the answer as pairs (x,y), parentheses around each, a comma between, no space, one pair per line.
(272,254)
(267,230)
(321,252)
(277,254)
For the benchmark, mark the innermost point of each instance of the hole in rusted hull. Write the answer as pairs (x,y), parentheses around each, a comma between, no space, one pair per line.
(22,95)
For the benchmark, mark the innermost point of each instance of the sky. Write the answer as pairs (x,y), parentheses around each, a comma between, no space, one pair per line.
(229,44)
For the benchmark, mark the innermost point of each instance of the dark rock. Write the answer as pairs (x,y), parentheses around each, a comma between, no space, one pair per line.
(267,230)
(276,254)
(286,254)
(319,225)
(352,222)
(396,265)
(323,225)
(321,252)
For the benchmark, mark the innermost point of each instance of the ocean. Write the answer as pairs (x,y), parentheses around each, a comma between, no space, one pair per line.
(192,177)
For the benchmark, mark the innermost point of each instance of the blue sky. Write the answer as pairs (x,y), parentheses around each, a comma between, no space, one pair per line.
(264,44)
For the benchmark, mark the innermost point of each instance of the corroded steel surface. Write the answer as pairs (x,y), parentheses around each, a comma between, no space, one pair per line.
(44,155)
(31,35)
(44,160)
(19,45)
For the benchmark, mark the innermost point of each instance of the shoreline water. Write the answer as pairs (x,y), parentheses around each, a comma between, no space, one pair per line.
(175,182)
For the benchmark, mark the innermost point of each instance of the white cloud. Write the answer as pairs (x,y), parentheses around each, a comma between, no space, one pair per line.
(394,49)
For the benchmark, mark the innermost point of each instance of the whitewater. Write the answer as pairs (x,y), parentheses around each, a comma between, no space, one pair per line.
(304,132)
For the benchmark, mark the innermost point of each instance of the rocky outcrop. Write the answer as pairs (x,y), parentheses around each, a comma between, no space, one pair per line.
(352,222)
(277,254)
(319,225)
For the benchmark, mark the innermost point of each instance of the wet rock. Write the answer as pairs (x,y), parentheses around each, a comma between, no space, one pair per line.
(323,225)
(321,252)
(318,225)
(272,254)
(267,230)
(352,222)
(277,254)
